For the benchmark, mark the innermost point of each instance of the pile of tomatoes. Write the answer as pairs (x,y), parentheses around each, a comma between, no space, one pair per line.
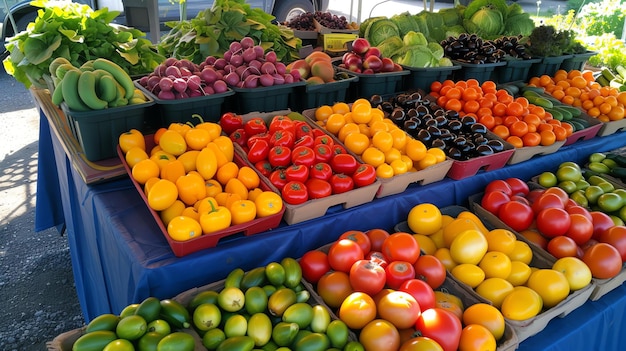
(192,178)
(559,225)
(366,132)
(301,161)
(514,119)
(386,290)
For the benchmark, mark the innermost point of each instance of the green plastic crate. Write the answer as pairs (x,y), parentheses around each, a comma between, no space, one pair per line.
(209,107)
(577,61)
(423,77)
(547,65)
(263,99)
(98,131)
(374,84)
(482,72)
(311,96)
(514,70)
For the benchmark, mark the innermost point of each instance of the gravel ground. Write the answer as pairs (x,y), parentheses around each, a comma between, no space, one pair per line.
(37,292)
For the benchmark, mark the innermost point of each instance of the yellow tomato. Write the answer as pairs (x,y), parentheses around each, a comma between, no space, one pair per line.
(382,140)
(162,195)
(384,171)
(191,213)
(162,158)
(456,226)
(494,290)
(226,172)
(415,149)
(357,310)
(197,138)
(476,337)
(357,142)
(550,284)
(443,255)
(521,252)
(468,247)
(575,270)
(399,167)
(206,163)
(495,264)
(206,205)
(501,240)
(134,155)
(132,138)
(254,193)
(399,138)
(361,113)
(335,122)
(215,130)
(268,203)
(427,161)
(486,315)
(439,154)
(182,228)
(191,188)
(474,218)
(213,187)
(424,219)
(394,154)
(173,170)
(469,274)
(347,129)
(427,245)
(173,211)
(242,211)
(520,272)
(144,170)
(220,156)
(248,177)
(173,142)
(189,160)
(449,302)
(225,144)
(235,186)
(521,304)
(372,155)
(180,128)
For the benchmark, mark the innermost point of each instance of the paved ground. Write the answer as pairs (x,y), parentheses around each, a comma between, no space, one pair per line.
(37,296)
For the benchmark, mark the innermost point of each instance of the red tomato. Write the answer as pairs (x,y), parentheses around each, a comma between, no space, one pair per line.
(282,123)
(343,253)
(442,326)
(255,125)
(429,269)
(323,152)
(520,198)
(516,215)
(254,138)
(377,257)
(560,192)
(400,308)
(321,171)
(295,193)
(401,246)
(518,186)
(492,201)
(601,222)
(421,291)
(324,140)
(534,194)
(364,175)
(318,188)
(398,272)
(282,138)
(303,155)
(580,229)
(239,137)
(264,167)
(305,140)
(377,237)
(359,237)
(553,222)
(367,276)
(333,287)
(259,151)
(278,178)
(616,237)
(314,265)
(341,183)
(303,130)
(604,260)
(298,173)
(344,163)
(279,156)
(577,209)
(499,185)
(547,200)
(230,122)
(562,246)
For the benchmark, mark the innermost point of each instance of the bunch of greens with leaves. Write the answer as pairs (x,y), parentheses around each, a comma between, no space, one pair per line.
(546,41)
(212,31)
(78,33)
(490,19)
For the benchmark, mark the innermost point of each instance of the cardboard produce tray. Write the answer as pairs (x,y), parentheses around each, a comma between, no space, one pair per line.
(527,152)
(585,134)
(529,327)
(612,127)
(468,168)
(398,183)
(313,208)
(182,248)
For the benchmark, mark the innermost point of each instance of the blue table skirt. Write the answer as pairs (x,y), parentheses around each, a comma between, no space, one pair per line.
(119,256)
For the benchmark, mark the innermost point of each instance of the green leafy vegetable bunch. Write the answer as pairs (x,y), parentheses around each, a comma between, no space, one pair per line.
(546,41)
(212,31)
(79,34)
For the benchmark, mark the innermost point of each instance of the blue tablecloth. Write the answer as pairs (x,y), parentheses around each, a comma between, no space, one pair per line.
(119,256)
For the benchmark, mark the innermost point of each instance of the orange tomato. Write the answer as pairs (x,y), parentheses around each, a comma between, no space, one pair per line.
(334,287)
(242,211)
(268,203)
(173,170)
(144,170)
(197,138)
(380,335)
(130,139)
(182,228)
(191,188)
(173,142)
(134,155)
(475,337)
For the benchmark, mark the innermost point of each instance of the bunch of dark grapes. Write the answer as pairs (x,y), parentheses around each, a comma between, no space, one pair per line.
(512,45)
(304,21)
(331,21)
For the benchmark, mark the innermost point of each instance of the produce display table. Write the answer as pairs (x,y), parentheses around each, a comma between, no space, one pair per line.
(120,257)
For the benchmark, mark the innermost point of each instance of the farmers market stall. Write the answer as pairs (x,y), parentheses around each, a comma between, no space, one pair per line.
(120,257)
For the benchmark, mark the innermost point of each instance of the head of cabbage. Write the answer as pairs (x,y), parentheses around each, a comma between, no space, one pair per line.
(488,21)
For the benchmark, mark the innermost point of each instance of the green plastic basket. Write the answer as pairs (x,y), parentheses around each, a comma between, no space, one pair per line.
(547,66)
(514,70)
(98,131)
(577,61)
(422,77)
(375,84)
(482,72)
(263,99)
(311,96)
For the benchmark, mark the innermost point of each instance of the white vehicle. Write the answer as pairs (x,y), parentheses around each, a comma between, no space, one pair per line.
(18,13)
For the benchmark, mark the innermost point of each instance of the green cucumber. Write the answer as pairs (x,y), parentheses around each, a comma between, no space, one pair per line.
(149,309)
(94,341)
(177,341)
(107,321)
(253,277)
(175,314)
(293,272)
